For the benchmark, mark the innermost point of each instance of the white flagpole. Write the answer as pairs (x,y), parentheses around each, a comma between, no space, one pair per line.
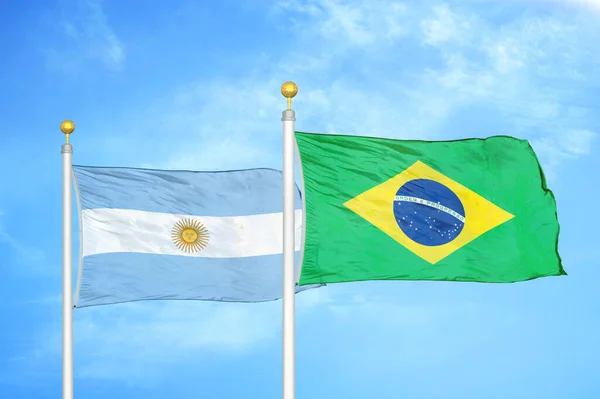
(289,90)
(67,127)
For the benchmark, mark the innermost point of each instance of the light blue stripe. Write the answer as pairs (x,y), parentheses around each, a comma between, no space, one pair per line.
(230,193)
(125,277)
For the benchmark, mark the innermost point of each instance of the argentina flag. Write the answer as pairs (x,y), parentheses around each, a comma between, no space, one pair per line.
(157,234)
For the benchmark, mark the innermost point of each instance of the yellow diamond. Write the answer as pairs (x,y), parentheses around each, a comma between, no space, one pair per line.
(376,206)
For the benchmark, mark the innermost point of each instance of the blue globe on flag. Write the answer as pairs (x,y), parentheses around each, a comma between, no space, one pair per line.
(428,212)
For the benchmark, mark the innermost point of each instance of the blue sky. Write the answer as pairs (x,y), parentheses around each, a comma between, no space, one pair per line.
(195,85)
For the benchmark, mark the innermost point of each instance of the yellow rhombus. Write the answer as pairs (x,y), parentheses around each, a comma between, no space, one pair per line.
(374,205)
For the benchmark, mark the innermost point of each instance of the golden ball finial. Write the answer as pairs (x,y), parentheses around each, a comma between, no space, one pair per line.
(67,127)
(289,89)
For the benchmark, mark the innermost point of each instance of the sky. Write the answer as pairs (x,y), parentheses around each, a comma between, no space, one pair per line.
(196,85)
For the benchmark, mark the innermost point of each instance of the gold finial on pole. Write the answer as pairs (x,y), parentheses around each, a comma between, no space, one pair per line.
(289,90)
(67,127)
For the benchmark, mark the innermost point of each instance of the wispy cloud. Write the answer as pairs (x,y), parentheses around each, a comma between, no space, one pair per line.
(445,26)
(523,72)
(588,4)
(139,343)
(24,254)
(87,36)
(556,149)
(350,23)
(21,253)
(135,341)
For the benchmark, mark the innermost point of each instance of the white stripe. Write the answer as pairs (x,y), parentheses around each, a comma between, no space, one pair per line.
(430,204)
(125,230)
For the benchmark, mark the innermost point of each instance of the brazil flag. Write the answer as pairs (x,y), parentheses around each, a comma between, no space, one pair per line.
(464,210)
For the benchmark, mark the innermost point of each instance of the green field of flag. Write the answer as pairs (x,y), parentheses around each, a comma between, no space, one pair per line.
(466,210)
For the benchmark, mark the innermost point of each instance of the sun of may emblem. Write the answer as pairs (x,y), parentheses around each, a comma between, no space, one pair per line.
(189,235)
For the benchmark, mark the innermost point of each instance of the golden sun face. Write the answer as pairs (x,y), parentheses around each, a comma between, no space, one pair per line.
(189,235)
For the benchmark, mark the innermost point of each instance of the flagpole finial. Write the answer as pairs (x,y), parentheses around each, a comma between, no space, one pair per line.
(289,90)
(67,127)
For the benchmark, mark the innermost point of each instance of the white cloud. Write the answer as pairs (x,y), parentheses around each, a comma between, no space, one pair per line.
(88,37)
(218,124)
(525,72)
(350,23)
(579,141)
(589,4)
(553,150)
(22,253)
(138,343)
(135,341)
(445,26)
